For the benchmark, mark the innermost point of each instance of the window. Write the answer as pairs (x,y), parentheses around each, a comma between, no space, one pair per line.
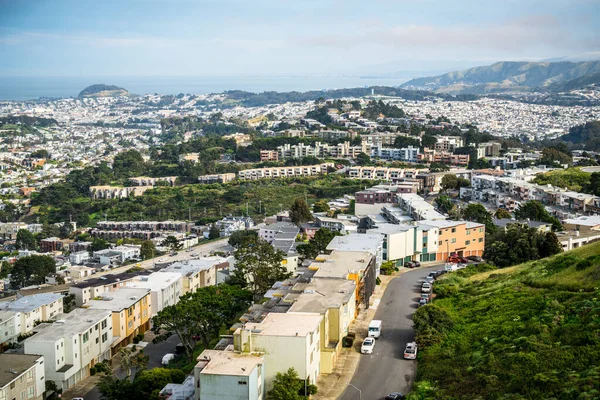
(467,242)
(440,243)
(97,340)
(104,337)
(96,327)
(86,337)
(22,395)
(130,312)
(480,229)
(480,240)
(12,385)
(30,374)
(242,383)
(130,324)
(2,394)
(30,392)
(453,240)
(453,230)
(104,324)
(468,232)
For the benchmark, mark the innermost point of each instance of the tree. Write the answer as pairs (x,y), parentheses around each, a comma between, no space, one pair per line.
(65,230)
(501,213)
(200,314)
(259,264)
(214,232)
(428,141)
(286,386)
(113,388)
(130,359)
(363,159)
(548,244)
(449,181)
(594,185)
(535,211)
(478,213)
(148,383)
(172,243)
(444,203)
(238,237)
(32,270)
(98,244)
(300,212)
(438,167)
(49,230)
(147,250)
(128,164)
(320,206)
(317,244)
(25,240)
(405,141)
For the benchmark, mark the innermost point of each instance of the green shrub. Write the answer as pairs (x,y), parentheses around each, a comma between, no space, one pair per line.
(93,371)
(583,264)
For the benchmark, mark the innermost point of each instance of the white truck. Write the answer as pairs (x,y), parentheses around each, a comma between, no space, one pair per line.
(375,328)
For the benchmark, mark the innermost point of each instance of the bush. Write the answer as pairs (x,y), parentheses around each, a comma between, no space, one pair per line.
(387,268)
(378,281)
(136,340)
(92,371)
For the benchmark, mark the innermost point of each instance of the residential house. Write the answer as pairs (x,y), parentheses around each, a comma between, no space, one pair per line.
(72,345)
(197,273)
(96,287)
(36,307)
(22,377)
(165,288)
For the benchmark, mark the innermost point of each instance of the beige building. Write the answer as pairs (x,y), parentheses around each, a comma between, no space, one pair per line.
(197,273)
(29,309)
(583,224)
(22,377)
(290,340)
(282,172)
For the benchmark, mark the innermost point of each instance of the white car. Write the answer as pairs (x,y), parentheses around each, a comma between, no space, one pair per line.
(167,358)
(410,352)
(367,346)
(426,288)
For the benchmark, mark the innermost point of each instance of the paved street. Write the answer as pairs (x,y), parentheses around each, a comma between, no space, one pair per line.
(386,370)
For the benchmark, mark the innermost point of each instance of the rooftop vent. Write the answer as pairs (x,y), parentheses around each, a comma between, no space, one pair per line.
(133,298)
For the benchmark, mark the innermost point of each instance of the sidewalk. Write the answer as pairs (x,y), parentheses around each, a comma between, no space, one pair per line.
(331,386)
(82,388)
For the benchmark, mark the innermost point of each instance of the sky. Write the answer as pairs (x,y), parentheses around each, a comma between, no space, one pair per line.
(282,37)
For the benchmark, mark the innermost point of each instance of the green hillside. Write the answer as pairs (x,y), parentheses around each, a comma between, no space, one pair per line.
(102,90)
(527,332)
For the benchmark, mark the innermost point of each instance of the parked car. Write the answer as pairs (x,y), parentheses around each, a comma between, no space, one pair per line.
(167,358)
(410,352)
(426,296)
(450,267)
(463,260)
(422,302)
(417,264)
(409,264)
(475,258)
(367,346)
(461,266)
(394,396)
(429,279)
(439,272)
(194,254)
(426,287)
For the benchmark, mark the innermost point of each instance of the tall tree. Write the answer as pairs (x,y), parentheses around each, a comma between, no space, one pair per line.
(98,244)
(501,213)
(478,213)
(25,240)
(535,211)
(259,264)
(286,386)
(300,212)
(31,270)
(172,243)
(147,250)
(214,232)
(238,237)
(321,206)
(317,244)
(65,230)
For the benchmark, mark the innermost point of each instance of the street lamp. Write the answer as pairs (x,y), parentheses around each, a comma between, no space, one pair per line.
(359,391)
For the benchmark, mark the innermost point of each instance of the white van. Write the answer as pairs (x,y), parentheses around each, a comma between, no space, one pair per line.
(449,267)
(375,328)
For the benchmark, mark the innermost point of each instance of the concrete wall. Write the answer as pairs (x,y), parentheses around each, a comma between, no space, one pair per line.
(231,387)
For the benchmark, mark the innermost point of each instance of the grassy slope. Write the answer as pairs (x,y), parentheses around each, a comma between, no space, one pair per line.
(571,178)
(532,332)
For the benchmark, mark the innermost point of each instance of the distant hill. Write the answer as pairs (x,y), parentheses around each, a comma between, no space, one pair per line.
(510,76)
(101,90)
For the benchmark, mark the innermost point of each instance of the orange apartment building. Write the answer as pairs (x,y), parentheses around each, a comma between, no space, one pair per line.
(464,238)
(130,313)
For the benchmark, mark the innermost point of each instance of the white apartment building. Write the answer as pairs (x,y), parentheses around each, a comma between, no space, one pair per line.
(371,243)
(9,323)
(87,290)
(165,288)
(71,346)
(408,154)
(118,254)
(79,257)
(290,340)
(322,150)
(448,143)
(197,273)
(281,172)
(383,173)
(22,377)
(29,309)
(229,375)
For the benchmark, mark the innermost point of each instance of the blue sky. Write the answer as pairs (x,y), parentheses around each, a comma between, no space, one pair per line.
(235,37)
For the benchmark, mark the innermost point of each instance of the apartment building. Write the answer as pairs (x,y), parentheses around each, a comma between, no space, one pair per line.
(356,266)
(51,244)
(416,207)
(335,301)
(382,173)
(9,323)
(131,313)
(321,150)
(9,230)
(583,224)
(117,255)
(282,236)
(380,139)
(269,155)
(282,172)
(226,374)
(199,273)
(445,157)
(464,238)
(165,288)
(89,289)
(72,345)
(407,154)
(216,178)
(488,149)
(22,377)
(370,243)
(148,181)
(337,225)
(296,336)
(448,143)
(117,192)
(154,226)
(29,309)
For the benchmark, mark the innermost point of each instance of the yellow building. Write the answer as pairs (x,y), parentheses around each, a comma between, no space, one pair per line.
(130,313)
(335,300)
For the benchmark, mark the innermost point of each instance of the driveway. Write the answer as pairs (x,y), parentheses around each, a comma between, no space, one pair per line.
(386,370)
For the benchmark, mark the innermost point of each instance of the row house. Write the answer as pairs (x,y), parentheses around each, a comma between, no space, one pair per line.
(72,345)
(269,155)
(117,192)
(96,287)
(29,310)
(176,226)
(216,178)
(165,288)
(408,154)
(382,173)
(199,273)
(23,377)
(281,172)
(148,181)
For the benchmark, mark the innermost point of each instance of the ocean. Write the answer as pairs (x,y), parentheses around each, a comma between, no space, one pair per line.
(30,88)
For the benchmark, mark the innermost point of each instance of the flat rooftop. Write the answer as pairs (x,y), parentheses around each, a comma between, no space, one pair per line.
(188,267)
(321,294)
(119,300)
(356,242)
(109,279)
(78,320)
(218,362)
(29,303)
(288,324)
(591,220)
(341,263)
(155,281)
(16,362)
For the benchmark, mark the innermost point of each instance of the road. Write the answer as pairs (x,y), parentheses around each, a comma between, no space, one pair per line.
(386,370)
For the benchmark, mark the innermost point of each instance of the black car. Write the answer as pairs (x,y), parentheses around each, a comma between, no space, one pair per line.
(474,258)
(409,264)
(394,396)
(417,264)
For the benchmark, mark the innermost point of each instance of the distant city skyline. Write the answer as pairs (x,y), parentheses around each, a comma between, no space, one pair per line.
(235,37)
